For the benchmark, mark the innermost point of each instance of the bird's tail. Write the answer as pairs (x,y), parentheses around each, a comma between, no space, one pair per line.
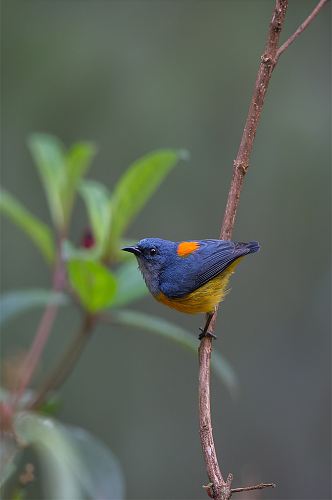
(251,247)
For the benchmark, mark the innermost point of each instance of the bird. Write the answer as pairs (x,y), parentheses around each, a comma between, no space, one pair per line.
(190,276)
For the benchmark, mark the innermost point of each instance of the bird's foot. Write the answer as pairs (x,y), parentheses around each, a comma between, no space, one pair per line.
(206,333)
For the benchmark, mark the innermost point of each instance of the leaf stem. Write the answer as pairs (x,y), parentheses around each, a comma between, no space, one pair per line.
(67,362)
(301,28)
(43,331)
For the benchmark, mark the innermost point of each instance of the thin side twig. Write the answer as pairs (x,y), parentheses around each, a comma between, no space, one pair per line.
(218,488)
(259,486)
(301,28)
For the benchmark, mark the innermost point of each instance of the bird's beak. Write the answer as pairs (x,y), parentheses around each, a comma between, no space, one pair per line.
(134,250)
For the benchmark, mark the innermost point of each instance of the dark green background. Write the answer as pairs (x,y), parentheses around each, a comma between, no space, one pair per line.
(138,75)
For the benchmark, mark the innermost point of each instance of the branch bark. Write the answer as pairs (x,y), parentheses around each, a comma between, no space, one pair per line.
(219,488)
(44,328)
(67,362)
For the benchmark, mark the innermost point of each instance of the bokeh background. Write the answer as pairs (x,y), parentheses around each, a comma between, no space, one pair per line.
(137,75)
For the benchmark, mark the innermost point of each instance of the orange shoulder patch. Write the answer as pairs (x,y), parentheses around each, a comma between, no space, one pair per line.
(186,248)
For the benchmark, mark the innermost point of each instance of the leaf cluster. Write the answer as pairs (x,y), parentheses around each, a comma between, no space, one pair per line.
(99,278)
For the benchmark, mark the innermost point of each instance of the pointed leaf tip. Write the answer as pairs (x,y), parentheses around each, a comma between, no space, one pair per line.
(39,232)
(184,154)
(136,186)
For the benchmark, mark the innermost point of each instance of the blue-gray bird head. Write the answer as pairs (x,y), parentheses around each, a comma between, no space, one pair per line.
(152,255)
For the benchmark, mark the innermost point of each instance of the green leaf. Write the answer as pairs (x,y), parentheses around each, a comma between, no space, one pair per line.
(39,232)
(19,301)
(61,468)
(51,406)
(159,326)
(60,172)
(19,493)
(50,159)
(70,252)
(103,477)
(94,284)
(97,201)
(136,186)
(9,452)
(75,465)
(78,160)
(131,285)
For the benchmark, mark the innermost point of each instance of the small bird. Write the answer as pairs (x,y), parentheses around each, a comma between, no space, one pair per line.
(190,276)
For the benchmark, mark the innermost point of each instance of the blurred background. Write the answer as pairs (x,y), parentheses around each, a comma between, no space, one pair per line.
(134,76)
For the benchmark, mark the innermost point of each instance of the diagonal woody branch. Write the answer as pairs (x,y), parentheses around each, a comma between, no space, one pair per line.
(219,488)
(301,28)
(44,329)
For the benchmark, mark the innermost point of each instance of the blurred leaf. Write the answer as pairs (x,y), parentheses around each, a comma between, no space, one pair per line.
(70,252)
(9,451)
(60,172)
(136,186)
(78,160)
(159,326)
(76,465)
(59,460)
(51,406)
(39,232)
(19,493)
(97,201)
(94,284)
(49,156)
(131,285)
(103,478)
(120,255)
(18,301)
(4,394)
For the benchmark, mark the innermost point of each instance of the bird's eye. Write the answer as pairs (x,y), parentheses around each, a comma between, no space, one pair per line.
(153,251)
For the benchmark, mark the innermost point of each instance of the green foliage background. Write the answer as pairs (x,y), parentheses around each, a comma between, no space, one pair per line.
(136,76)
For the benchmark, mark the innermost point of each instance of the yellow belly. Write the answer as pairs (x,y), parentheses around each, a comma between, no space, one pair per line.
(205,298)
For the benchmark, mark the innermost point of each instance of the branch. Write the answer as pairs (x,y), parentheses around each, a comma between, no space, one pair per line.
(218,488)
(44,329)
(66,365)
(260,486)
(221,489)
(301,28)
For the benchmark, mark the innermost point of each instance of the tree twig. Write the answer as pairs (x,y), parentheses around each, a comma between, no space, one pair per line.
(219,488)
(44,329)
(259,486)
(67,362)
(301,28)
